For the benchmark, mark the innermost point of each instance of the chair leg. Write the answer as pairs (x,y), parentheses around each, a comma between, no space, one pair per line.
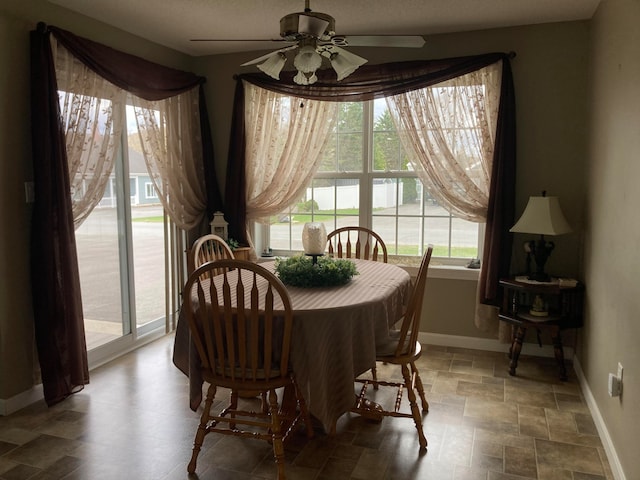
(374,376)
(202,428)
(276,434)
(415,411)
(233,406)
(420,387)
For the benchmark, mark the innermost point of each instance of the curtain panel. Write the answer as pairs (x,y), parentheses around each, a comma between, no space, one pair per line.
(379,81)
(57,304)
(285,137)
(449,131)
(55,280)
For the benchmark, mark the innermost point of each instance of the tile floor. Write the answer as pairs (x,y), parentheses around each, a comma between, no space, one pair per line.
(133,422)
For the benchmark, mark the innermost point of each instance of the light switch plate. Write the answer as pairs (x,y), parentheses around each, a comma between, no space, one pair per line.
(29,192)
(614,385)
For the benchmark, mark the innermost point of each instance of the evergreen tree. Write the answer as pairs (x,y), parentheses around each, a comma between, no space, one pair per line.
(350,137)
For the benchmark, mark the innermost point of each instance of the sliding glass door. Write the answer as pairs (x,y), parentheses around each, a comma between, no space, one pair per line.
(121,256)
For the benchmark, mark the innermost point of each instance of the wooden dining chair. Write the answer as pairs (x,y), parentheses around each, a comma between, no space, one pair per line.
(208,248)
(403,350)
(240,323)
(356,242)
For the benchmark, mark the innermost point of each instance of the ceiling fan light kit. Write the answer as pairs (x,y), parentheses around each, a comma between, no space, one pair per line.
(273,65)
(345,63)
(313,35)
(307,60)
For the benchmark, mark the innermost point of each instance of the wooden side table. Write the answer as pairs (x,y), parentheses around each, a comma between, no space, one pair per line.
(564,307)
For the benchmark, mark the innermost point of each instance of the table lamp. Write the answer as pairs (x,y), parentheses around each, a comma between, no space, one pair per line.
(542,216)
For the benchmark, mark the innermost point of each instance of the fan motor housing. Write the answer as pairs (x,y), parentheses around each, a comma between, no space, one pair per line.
(289,25)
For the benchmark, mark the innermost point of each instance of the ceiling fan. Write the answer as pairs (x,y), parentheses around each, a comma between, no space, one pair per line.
(313,35)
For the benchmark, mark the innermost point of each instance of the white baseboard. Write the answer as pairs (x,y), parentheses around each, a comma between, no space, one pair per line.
(489,344)
(18,402)
(607,443)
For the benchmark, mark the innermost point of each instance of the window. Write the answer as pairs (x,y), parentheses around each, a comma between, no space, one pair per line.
(150,190)
(121,256)
(365,178)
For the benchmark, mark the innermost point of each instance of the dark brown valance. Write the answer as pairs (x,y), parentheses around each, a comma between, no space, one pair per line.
(375,81)
(141,77)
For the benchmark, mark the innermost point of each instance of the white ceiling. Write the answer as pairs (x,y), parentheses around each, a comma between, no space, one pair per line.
(173,23)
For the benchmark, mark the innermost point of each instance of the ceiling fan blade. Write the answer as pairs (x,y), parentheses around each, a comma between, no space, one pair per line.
(311,25)
(264,57)
(238,40)
(404,41)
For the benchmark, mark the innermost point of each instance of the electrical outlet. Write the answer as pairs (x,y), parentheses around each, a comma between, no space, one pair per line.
(613,386)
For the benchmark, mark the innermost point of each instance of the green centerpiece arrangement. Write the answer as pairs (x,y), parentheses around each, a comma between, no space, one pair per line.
(303,271)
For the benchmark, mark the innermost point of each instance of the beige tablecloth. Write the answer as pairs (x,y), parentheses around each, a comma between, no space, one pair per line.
(335,333)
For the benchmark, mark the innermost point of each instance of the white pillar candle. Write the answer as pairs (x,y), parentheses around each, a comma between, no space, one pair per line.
(314,238)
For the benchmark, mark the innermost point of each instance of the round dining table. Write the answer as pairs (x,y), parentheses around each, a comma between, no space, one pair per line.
(334,338)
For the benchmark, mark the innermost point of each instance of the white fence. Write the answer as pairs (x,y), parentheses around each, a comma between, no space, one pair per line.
(347,196)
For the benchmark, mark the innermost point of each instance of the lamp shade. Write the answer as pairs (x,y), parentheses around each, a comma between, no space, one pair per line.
(345,63)
(302,78)
(542,216)
(273,65)
(307,60)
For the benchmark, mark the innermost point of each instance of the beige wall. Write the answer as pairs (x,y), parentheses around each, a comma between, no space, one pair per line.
(16,329)
(612,246)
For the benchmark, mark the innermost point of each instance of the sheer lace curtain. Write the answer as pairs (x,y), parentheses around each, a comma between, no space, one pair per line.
(92,119)
(449,132)
(169,132)
(284,138)
(93,114)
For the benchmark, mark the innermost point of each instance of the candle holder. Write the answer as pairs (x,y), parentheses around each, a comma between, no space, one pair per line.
(314,239)
(314,257)
(219,226)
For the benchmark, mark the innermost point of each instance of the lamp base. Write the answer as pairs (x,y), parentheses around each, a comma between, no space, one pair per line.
(540,277)
(540,251)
